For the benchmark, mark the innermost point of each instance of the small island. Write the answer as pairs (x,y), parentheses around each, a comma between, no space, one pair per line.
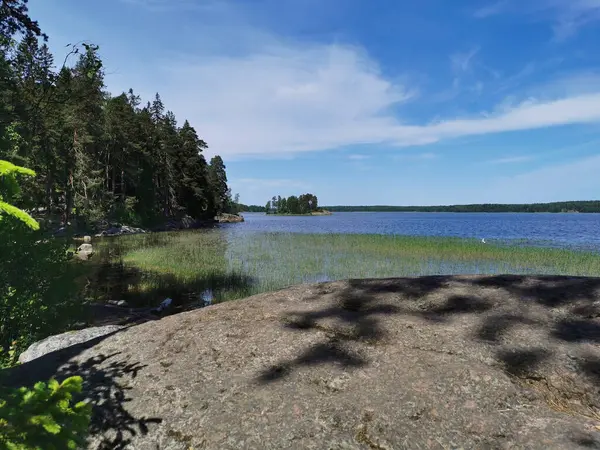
(303,205)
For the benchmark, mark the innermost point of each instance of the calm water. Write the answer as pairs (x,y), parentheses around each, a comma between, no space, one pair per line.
(580,231)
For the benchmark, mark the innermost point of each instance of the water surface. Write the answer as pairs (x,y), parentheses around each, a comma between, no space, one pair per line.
(566,230)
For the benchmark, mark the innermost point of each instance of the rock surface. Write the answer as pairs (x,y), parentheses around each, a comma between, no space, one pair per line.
(64,340)
(425,363)
(85,251)
(118,230)
(229,218)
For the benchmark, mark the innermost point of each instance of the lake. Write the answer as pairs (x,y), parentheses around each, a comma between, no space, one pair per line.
(271,252)
(577,231)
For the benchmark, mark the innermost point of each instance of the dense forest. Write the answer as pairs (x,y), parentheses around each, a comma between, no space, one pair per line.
(98,157)
(303,204)
(555,207)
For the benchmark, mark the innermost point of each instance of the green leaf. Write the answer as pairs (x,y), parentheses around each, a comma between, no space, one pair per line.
(19,214)
(7,168)
(47,422)
(73,384)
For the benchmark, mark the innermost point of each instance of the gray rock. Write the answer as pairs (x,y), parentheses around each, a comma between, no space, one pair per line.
(468,362)
(64,340)
(85,251)
(119,230)
(121,303)
(229,218)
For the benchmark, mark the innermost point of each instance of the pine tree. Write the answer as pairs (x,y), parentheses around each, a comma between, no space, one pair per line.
(218,182)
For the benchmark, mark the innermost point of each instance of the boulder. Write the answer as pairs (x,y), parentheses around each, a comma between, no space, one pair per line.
(431,363)
(64,340)
(85,251)
(229,218)
(119,230)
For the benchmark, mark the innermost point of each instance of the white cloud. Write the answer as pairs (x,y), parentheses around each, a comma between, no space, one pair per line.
(574,14)
(511,159)
(578,180)
(358,157)
(566,16)
(490,10)
(284,100)
(461,62)
(270,182)
(427,156)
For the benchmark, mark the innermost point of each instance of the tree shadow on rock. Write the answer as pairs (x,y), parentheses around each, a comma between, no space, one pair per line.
(354,315)
(105,379)
(550,291)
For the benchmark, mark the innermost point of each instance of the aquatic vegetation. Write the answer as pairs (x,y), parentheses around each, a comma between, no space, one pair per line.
(229,265)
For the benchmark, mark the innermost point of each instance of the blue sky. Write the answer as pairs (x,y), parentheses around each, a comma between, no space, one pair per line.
(366,102)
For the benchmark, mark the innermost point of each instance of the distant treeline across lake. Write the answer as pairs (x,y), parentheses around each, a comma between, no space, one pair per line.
(592,206)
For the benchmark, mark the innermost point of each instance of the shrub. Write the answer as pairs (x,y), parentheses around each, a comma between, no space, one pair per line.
(37,290)
(44,417)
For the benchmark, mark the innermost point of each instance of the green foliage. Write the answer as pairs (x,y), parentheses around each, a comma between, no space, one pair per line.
(93,153)
(38,292)
(44,417)
(36,281)
(9,188)
(305,204)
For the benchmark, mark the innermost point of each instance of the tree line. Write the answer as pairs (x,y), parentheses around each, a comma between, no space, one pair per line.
(97,156)
(584,206)
(303,204)
(592,206)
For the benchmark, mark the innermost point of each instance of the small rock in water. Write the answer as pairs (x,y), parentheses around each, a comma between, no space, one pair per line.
(164,305)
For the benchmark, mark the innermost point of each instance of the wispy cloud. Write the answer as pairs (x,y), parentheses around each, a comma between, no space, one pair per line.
(461,61)
(259,183)
(511,159)
(566,16)
(490,10)
(358,157)
(574,14)
(578,180)
(427,156)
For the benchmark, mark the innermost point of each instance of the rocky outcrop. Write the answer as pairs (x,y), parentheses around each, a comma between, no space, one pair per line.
(119,230)
(65,340)
(229,218)
(433,362)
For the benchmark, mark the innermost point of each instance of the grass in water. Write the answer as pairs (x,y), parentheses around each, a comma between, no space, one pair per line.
(184,265)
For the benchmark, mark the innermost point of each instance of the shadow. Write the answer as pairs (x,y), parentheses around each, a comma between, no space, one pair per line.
(550,291)
(354,315)
(577,330)
(104,387)
(142,291)
(105,380)
(494,327)
(521,362)
(457,304)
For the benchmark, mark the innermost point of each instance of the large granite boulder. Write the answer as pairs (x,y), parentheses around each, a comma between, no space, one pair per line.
(65,340)
(424,363)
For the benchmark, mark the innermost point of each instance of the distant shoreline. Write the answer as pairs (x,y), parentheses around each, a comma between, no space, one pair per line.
(314,213)
(592,206)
